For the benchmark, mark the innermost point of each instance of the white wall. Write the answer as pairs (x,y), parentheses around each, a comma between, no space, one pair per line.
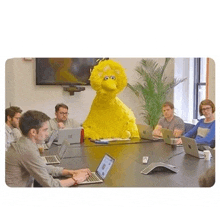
(182,102)
(22,91)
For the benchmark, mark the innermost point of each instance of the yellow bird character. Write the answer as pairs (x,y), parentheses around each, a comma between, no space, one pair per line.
(109,117)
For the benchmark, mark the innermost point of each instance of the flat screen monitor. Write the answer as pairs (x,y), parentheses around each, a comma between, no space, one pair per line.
(64,71)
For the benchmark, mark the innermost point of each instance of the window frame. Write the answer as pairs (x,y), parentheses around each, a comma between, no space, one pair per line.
(197,83)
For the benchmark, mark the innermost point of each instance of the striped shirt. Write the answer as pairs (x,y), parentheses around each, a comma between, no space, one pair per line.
(11,135)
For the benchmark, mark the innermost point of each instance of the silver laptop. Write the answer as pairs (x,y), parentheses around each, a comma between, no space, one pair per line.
(73,135)
(145,132)
(168,136)
(55,159)
(102,170)
(51,139)
(190,147)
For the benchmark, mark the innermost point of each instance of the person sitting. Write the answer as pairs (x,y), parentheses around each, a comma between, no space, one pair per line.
(169,121)
(23,162)
(12,132)
(205,128)
(61,121)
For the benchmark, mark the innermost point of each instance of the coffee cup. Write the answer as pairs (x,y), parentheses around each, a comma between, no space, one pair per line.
(41,148)
(207,154)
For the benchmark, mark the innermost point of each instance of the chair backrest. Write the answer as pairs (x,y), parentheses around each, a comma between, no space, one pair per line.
(188,127)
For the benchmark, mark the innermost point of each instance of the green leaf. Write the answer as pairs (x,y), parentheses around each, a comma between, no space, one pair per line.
(152,89)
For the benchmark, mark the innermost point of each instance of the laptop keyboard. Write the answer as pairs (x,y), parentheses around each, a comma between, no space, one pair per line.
(92,178)
(51,159)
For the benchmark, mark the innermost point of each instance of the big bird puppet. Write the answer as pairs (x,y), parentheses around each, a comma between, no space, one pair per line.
(109,117)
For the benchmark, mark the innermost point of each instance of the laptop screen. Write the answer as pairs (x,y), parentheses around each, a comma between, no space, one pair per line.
(63,149)
(52,137)
(105,166)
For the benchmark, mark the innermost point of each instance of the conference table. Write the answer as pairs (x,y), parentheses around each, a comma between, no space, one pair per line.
(126,170)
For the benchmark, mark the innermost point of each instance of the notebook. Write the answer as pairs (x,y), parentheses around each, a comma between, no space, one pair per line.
(55,159)
(73,135)
(168,136)
(51,139)
(145,132)
(190,147)
(102,170)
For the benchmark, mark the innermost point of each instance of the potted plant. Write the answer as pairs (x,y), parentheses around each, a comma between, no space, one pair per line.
(153,89)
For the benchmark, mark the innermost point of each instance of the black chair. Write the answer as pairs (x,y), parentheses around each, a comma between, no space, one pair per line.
(188,127)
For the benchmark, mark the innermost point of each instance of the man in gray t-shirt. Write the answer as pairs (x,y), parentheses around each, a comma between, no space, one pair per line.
(169,121)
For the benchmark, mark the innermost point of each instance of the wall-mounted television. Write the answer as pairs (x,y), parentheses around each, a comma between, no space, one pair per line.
(64,71)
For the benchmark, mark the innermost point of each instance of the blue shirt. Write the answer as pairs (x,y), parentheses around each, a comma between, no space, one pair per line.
(205,132)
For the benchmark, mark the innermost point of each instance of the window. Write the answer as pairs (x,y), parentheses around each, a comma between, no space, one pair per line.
(193,90)
(199,85)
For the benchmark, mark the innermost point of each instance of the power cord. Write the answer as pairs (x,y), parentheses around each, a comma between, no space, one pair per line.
(174,156)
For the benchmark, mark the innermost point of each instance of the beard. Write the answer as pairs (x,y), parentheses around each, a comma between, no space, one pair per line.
(13,125)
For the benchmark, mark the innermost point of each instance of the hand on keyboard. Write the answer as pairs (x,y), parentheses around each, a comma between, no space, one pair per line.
(81,175)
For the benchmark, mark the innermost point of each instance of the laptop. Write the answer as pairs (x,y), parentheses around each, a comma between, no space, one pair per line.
(168,137)
(73,135)
(51,139)
(55,159)
(145,132)
(102,170)
(190,147)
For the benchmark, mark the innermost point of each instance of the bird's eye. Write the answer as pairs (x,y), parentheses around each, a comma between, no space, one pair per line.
(106,78)
(112,77)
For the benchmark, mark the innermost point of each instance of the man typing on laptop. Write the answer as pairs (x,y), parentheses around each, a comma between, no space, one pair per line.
(169,121)
(61,121)
(23,161)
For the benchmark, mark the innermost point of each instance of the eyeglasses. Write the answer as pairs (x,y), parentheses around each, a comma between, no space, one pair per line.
(63,113)
(204,109)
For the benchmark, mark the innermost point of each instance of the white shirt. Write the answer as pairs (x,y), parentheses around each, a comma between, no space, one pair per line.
(11,135)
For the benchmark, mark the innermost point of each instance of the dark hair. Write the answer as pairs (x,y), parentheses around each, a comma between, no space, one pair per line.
(57,107)
(32,120)
(11,111)
(168,104)
(206,102)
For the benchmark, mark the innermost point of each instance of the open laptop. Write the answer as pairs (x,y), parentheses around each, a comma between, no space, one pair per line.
(73,135)
(51,139)
(168,137)
(145,132)
(102,170)
(190,147)
(55,159)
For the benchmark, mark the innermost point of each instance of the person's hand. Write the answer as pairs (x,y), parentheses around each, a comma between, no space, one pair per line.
(157,132)
(177,132)
(179,141)
(74,172)
(81,175)
(61,125)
